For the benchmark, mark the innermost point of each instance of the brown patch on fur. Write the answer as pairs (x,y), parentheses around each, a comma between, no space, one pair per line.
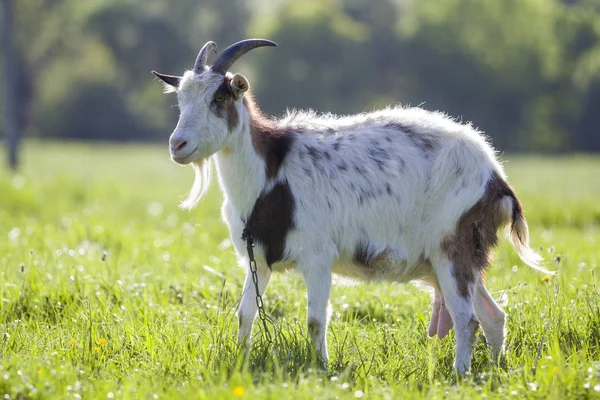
(271,143)
(366,258)
(223,104)
(469,247)
(473,325)
(271,219)
(363,257)
(232,116)
(314,328)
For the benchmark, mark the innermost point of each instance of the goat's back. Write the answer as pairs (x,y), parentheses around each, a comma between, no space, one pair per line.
(395,181)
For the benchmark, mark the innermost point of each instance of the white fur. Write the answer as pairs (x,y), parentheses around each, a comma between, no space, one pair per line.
(395,196)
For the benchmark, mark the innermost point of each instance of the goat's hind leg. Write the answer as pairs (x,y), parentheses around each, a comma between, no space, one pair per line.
(492,320)
(458,293)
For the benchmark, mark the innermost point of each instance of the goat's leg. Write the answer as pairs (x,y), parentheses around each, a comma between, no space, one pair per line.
(492,320)
(459,303)
(248,308)
(318,286)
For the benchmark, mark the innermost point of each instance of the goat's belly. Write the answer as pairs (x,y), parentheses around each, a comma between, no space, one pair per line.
(383,268)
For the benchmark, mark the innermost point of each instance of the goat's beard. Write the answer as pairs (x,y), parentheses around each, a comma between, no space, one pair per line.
(202,170)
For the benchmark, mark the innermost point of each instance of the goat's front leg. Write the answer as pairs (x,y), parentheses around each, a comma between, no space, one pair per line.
(248,308)
(318,287)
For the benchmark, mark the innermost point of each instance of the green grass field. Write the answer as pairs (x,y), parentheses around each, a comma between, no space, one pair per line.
(108,290)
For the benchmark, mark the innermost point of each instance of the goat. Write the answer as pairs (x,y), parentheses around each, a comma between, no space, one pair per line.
(399,194)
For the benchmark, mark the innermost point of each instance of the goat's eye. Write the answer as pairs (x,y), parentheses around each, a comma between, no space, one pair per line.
(220,98)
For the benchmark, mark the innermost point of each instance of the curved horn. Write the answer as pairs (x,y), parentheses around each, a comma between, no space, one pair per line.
(235,51)
(209,47)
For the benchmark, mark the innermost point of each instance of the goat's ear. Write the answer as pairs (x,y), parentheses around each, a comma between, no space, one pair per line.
(239,85)
(170,80)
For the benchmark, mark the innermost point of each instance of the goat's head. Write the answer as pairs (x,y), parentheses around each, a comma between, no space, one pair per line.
(209,101)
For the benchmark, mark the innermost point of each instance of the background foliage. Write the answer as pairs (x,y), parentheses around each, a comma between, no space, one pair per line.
(524,71)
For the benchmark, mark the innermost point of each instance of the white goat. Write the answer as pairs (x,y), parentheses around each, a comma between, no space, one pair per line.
(399,194)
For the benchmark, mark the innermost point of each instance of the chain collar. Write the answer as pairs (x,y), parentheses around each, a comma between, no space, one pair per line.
(247,237)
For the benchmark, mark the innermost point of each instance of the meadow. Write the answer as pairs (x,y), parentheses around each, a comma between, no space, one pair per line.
(108,290)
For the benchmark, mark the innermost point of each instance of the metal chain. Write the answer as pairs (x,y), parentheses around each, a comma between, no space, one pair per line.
(247,237)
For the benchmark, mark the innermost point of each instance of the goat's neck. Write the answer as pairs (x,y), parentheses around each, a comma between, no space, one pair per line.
(241,170)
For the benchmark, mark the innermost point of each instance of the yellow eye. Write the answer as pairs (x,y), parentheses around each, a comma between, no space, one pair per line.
(220,98)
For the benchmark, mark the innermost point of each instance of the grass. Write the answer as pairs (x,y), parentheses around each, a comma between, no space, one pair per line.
(108,290)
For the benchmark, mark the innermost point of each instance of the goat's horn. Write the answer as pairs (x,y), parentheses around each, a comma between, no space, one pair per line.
(209,47)
(235,51)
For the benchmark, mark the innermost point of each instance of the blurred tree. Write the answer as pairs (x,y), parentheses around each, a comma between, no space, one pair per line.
(525,71)
(510,64)
(520,69)
(88,47)
(584,25)
(586,135)
(114,122)
(31,53)
(330,57)
(10,79)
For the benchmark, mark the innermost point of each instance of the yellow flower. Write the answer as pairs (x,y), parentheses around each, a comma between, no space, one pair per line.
(101,340)
(555,370)
(546,278)
(96,348)
(239,391)
(72,341)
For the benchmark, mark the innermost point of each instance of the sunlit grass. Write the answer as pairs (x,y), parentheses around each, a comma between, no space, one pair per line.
(108,290)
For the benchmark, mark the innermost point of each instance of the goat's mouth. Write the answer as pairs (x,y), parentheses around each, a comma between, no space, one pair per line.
(185,159)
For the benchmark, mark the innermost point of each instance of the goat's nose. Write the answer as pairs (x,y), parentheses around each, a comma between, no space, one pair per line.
(178,145)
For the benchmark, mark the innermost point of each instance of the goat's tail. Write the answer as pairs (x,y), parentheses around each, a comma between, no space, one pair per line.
(519,236)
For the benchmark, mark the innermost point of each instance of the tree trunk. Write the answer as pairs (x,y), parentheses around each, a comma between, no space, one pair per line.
(10,80)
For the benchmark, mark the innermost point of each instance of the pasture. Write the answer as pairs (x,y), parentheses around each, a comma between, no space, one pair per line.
(108,290)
